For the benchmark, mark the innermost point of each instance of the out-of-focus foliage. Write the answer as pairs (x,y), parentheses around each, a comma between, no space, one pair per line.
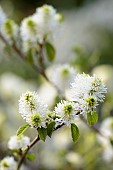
(87,37)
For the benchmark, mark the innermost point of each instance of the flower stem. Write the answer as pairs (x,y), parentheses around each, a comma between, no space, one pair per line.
(26,151)
(29,147)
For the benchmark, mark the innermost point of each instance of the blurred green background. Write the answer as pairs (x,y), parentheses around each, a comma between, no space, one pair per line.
(87,37)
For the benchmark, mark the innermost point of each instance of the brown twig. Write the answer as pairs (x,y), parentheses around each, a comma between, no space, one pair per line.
(40,70)
(26,151)
(23,57)
(30,146)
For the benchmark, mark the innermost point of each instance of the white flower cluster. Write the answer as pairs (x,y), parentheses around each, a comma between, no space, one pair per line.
(33,30)
(8,163)
(39,26)
(18,142)
(9,30)
(15,143)
(88,91)
(33,110)
(66,112)
(61,76)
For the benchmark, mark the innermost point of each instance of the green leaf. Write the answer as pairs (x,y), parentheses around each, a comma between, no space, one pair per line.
(50,50)
(30,156)
(30,57)
(74,132)
(42,133)
(111,141)
(50,128)
(22,129)
(92,118)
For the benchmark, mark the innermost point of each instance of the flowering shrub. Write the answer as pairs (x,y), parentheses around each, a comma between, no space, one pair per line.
(32,41)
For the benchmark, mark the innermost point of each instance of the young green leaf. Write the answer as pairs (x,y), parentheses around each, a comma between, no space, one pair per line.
(92,118)
(50,50)
(22,129)
(42,133)
(74,132)
(30,56)
(30,156)
(50,128)
(111,141)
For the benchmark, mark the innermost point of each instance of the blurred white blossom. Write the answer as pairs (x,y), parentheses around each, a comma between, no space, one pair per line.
(8,163)
(106,128)
(9,30)
(75,159)
(30,33)
(48,20)
(18,142)
(62,76)
(2,17)
(49,91)
(39,26)
(108,153)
